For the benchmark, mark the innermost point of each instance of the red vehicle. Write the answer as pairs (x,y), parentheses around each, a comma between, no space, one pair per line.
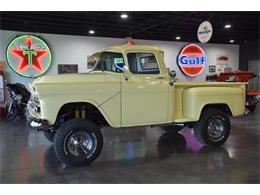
(252,96)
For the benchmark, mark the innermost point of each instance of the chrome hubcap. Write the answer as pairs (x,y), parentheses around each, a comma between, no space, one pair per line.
(80,143)
(216,129)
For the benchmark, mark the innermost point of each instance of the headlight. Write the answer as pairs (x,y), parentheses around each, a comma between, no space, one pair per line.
(36,100)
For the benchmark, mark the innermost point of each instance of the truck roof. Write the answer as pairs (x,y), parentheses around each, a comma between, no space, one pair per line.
(124,48)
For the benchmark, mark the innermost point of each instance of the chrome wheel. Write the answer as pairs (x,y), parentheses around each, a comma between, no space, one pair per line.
(81,143)
(216,129)
(78,142)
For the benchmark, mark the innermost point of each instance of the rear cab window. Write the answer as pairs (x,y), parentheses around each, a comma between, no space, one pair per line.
(143,63)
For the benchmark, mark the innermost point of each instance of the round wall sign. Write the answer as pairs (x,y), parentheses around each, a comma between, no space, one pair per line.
(28,56)
(205,32)
(192,60)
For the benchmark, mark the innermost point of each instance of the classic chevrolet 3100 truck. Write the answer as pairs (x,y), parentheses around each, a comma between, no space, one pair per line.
(129,86)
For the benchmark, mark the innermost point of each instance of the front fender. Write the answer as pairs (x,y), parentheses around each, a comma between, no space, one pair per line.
(52,105)
(53,96)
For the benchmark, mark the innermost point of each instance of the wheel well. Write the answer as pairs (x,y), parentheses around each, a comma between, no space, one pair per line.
(81,110)
(223,107)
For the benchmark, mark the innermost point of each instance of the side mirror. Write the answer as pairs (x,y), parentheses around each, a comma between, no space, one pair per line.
(172,73)
(125,70)
(173,78)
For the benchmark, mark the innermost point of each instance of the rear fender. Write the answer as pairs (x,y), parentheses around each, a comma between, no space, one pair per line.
(196,98)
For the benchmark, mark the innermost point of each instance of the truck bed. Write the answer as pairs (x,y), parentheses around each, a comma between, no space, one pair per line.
(190,98)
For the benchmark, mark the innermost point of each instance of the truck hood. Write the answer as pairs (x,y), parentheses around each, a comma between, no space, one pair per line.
(71,78)
(77,87)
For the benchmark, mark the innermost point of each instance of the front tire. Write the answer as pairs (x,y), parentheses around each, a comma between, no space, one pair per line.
(213,128)
(78,142)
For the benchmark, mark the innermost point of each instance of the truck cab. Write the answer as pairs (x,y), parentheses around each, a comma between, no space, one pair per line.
(144,83)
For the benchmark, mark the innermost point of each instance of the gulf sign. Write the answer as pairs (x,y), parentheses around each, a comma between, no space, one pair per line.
(192,60)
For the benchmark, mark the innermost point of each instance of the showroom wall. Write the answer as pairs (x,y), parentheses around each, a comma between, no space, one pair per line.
(68,49)
(248,51)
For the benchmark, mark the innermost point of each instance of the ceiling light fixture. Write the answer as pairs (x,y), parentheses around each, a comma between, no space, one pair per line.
(231,41)
(91,32)
(178,38)
(228,26)
(124,16)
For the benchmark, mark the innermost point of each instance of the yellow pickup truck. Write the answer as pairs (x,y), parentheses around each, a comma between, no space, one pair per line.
(129,86)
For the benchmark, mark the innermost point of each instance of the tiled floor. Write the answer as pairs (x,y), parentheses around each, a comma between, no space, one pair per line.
(135,155)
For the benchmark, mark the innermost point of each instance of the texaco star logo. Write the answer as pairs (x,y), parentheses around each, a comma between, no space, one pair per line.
(29,56)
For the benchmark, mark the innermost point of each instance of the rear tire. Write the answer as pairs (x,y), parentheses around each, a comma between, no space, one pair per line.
(213,128)
(78,142)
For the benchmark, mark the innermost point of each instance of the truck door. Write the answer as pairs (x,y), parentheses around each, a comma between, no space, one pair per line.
(144,95)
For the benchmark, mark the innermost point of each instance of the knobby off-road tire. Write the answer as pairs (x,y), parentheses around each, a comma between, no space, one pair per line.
(78,142)
(213,128)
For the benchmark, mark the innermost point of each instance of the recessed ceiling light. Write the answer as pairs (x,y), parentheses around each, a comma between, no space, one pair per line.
(91,32)
(124,16)
(178,38)
(231,41)
(228,26)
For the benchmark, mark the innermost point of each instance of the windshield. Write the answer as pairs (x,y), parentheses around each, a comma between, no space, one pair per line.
(110,61)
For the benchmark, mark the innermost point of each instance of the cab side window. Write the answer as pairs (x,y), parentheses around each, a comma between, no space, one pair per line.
(143,63)
(110,61)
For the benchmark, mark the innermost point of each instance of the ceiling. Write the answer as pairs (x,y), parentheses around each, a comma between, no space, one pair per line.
(138,25)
